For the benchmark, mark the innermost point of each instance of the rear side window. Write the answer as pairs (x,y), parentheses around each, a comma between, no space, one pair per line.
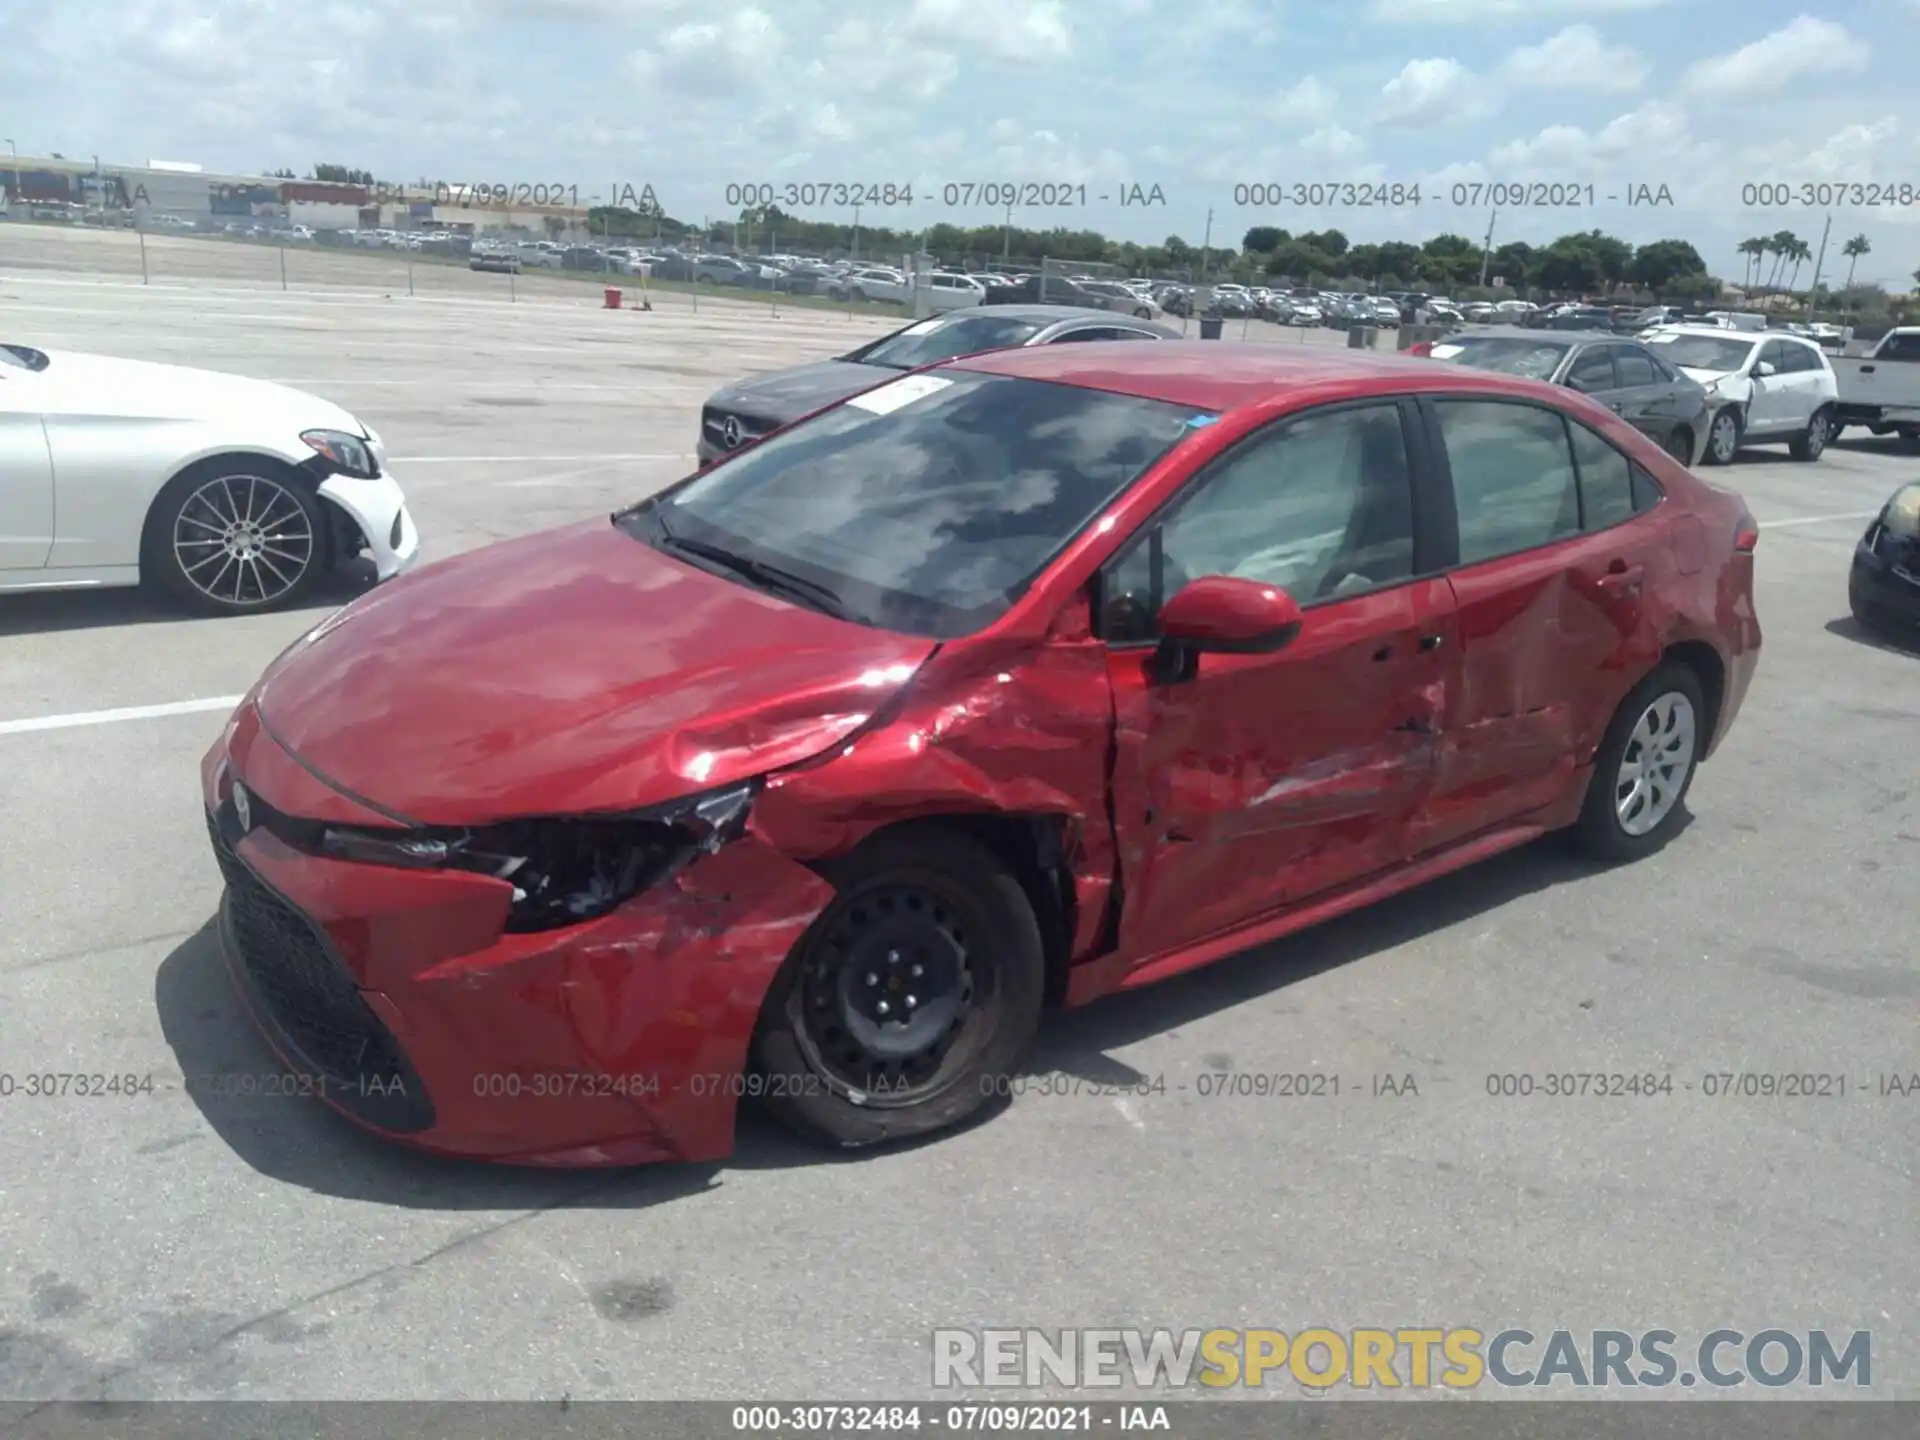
(1513,476)
(1606,480)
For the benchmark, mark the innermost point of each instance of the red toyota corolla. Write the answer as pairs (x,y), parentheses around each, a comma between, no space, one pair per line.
(1019,680)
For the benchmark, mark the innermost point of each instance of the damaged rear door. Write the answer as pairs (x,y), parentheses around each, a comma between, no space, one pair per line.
(1263,779)
(1549,606)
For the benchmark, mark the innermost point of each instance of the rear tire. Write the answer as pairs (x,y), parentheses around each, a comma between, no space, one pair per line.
(1724,433)
(1680,445)
(1811,443)
(1637,792)
(1909,437)
(239,535)
(1864,615)
(911,1000)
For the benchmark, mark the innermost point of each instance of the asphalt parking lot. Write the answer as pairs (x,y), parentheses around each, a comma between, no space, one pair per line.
(181,1246)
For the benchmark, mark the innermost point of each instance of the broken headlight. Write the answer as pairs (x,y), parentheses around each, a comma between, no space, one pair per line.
(564,870)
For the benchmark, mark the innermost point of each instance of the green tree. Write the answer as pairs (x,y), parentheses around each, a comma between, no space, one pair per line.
(1856,247)
(1658,265)
(1263,239)
(1753,250)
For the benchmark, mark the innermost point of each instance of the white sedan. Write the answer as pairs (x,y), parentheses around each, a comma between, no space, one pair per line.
(232,495)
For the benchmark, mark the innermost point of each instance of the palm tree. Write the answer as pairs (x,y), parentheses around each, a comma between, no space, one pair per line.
(1853,250)
(1782,243)
(1752,248)
(1800,254)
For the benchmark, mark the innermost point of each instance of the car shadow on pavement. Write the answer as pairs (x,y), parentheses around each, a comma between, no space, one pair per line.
(296,1140)
(1078,1043)
(300,1142)
(50,612)
(1894,642)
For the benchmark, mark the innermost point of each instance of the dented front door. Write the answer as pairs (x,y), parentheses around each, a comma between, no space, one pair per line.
(1268,778)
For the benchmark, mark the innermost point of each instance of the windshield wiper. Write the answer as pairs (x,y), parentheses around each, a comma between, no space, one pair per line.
(785,583)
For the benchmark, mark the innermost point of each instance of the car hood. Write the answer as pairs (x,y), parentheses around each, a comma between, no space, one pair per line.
(77,383)
(1704,377)
(788,394)
(573,671)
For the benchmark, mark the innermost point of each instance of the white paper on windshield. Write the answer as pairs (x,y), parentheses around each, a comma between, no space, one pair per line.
(900,393)
(924,326)
(1446,352)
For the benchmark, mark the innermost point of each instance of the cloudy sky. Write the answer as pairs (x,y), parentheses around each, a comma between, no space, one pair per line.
(1195,96)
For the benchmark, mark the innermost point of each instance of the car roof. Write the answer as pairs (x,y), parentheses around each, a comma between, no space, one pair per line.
(1221,375)
(1048,315)
(1723,332)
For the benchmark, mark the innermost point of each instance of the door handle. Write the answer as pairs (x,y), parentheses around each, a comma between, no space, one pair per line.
(1621,576)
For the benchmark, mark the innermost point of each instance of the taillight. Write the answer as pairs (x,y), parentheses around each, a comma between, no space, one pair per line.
(1424,347)
(1746,534)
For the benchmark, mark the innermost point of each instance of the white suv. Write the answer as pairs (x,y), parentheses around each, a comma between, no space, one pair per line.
(1763,388)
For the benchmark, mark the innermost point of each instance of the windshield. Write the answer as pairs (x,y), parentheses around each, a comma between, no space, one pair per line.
(927,505)
(934,340)
(1533,359)
(1703,352)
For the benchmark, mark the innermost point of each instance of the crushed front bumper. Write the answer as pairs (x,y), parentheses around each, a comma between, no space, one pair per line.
(618,1042)
(378,509)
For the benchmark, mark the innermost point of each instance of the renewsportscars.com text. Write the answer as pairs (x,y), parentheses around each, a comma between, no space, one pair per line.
(1459,1358)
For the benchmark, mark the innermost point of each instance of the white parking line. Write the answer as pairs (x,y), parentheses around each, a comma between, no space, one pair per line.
(532,459)
(1818,519)
(114,717)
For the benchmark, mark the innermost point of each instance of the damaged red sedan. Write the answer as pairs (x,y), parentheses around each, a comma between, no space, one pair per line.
(818,776)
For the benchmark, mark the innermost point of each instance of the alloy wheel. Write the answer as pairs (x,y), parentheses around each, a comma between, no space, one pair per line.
(1726,437)
(243,540)
(891,994)
(1654,767)
(1817,432)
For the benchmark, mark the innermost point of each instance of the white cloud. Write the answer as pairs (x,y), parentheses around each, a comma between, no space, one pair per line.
(1658,129)
(1308,102)
(1473,12)
(1023,31)
(1803,46)
(1432,92)
(1578,58)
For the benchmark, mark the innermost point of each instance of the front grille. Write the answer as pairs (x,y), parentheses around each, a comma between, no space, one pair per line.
(715,423)
(310,998)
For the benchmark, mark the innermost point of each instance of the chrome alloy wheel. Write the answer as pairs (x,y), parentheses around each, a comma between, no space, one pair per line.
(243,540)
(1655,765)
(1725,440)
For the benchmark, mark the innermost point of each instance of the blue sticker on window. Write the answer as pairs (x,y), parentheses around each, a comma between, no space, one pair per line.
(1199,422)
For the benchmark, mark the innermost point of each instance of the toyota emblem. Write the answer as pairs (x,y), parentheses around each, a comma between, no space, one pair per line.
(730,432)
(242,808)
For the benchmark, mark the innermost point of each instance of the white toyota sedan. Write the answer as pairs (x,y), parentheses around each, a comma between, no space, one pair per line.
(231,495)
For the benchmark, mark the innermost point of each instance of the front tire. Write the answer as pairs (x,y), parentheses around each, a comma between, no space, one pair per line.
(235,537)
(910,1001)
(1636,795)
(1723,437)
(1811,443)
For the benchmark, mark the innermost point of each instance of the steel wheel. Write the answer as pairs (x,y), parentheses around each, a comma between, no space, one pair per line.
(891,996)
(1654,767)
(243,541)
(1723,441)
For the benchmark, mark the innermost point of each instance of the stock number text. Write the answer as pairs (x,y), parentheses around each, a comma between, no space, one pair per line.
(1767,194)
(816,194)
(1325,194)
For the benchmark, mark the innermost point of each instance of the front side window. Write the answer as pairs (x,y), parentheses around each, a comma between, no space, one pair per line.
(1633,367)
(1322,507)
(1513,477)
(1592,370)
(927,506)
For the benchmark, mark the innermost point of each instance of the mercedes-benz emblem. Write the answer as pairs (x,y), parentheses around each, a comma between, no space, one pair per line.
(730,432)
(242,808)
